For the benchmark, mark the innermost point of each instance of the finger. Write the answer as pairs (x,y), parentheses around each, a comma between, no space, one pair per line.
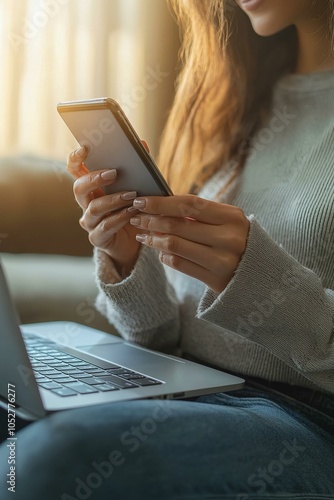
(92,183)
(75,165)
(212,268)
(194,252)
(108,227)
(194,270)
(216,261)
(223,236)
(99,208)
(188,229)
(187,206)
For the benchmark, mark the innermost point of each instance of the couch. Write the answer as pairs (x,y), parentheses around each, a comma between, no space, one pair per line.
(45,253)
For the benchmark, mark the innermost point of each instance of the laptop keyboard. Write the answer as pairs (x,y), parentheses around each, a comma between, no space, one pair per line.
(68,375)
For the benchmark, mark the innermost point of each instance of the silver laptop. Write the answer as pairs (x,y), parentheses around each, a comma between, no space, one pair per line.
(47,367)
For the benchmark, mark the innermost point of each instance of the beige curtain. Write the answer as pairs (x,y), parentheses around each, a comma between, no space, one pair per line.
(56,50)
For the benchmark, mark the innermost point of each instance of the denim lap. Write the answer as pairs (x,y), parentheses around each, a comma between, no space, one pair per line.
(240,446)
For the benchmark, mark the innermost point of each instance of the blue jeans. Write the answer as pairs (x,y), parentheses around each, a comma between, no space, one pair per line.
(244,445)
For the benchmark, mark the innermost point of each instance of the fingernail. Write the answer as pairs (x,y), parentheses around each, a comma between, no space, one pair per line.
(141,238)
(135,221)
(80,151)
(132,209)
(139,203)
(109,175)
(131,195)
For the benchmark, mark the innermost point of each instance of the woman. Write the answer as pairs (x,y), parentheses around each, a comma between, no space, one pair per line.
(239,274)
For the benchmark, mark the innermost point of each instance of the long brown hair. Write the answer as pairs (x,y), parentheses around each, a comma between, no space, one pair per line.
(223,92)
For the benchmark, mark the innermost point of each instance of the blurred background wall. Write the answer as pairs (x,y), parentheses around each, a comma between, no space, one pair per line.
(56,50)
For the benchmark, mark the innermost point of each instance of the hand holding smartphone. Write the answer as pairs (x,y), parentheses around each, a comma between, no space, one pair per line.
(101,126)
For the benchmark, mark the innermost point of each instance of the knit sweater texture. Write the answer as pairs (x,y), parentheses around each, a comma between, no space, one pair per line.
(275,319)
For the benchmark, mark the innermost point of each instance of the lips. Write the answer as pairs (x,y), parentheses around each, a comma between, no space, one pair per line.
(250,5)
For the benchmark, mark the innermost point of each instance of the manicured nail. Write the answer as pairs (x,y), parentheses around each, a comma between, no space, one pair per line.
(109,175)
(135,221)
(79,152)
(139,203)
(141,238)
(132,209)
(131,195)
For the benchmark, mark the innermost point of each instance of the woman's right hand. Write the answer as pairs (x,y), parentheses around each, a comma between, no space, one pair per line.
(105,217)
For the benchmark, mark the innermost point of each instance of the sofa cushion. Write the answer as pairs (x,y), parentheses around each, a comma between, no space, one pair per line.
(54,288)
(38,213)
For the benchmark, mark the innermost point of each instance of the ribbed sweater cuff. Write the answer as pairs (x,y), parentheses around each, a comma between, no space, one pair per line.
(140,302)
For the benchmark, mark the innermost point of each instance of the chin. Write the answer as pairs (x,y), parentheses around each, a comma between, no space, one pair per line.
(265,27)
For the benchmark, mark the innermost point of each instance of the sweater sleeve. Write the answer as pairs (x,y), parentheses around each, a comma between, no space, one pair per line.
(143,307)
(276,302)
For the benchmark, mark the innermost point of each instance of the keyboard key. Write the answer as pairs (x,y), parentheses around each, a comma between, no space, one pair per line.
(106,387)
(41,379)
(77,362)
(98,372)
(147,381)
(64,391)
(131,376)
(57,376)
(63,366)
(38,366)
(40,357)
(88,370)
(122,371)
(56,363)
(43,355)
(49,385)
(70,371)
(85,364)
(90,381)
(81,388)
(124,384)
(65,357)
(66,380)
(47,371)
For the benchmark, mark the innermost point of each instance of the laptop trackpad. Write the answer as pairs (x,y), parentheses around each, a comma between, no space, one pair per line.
(133,357)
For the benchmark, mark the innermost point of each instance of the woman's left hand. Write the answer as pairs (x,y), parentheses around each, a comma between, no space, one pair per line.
(201,238)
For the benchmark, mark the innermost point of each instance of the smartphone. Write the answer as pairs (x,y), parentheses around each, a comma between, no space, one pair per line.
(111,142)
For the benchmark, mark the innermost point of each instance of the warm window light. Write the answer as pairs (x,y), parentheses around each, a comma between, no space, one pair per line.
(70,49)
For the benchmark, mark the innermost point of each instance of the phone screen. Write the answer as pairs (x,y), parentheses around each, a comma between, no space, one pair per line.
(112,143)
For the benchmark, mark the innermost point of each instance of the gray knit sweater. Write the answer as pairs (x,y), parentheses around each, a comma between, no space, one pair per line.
(275,319)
